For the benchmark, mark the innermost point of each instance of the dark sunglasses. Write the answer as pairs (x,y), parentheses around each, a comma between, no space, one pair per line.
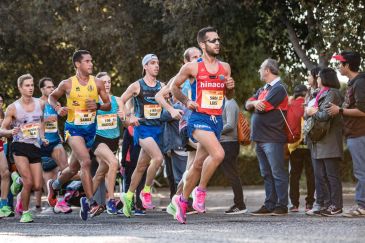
(214,41)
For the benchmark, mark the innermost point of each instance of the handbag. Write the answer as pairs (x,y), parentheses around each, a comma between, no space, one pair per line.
(315,129)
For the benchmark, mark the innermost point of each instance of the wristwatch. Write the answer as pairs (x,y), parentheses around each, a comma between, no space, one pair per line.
(341,111)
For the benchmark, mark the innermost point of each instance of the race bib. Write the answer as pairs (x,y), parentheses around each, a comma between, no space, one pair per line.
(30,130)
(152,111)
(51,125)
(106,122)
(84,117)
(212,99)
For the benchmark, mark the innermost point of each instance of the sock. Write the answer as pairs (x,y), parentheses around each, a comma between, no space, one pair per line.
(130,195)
(147,189)
(182,199)
(201,189)
(91,200)
(24,212)
(3,202)
(56,185)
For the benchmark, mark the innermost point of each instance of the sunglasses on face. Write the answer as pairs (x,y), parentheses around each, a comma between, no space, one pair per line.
(213,41)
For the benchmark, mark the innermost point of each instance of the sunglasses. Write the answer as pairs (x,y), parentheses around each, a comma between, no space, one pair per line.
(214,41)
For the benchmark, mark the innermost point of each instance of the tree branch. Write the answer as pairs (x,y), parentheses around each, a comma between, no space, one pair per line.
(295,42)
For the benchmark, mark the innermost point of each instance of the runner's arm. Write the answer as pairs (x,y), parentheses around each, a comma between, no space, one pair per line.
(4,130)
(106,106)
(131,91)
(161,99)
(186,71)
(55,96)
(229,82)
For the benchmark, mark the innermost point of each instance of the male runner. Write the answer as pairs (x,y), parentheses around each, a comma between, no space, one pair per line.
(190,55)
(54,157)
(213,82)
(82,93)
(147,131)
(25,116)
(5,210)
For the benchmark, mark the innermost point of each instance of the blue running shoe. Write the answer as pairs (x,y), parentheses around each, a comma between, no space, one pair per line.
(111,207)
(84,208)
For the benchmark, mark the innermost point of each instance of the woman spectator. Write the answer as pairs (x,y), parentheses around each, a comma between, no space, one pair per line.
(327,151)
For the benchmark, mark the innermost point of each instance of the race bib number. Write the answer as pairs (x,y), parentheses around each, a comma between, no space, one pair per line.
(84,117)
(30,130)
(51,125)
(106,122)
(152,111)
(212,99)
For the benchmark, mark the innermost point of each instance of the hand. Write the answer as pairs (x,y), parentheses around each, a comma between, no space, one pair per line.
(91,104)
(133,121)
(229,83)
(62,111)
(333,109)
(15,131)
(121,115)
(45,141)
(176,114)
(310,111)
(191,105)
(259,105)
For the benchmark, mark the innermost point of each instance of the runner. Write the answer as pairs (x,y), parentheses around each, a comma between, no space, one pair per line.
(5,210)
(82,93)
(54,157)
(106,145)
(25,116)
(147,131)
(213,82)
(190,55)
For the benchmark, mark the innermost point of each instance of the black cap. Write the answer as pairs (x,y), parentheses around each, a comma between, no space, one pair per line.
(300,88)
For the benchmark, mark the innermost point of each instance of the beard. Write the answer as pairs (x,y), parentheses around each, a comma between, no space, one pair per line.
(211,52)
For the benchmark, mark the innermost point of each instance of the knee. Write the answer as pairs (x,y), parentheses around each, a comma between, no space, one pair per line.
(85,163)
(27,183)
(158,159)
(197,165)
(218,156)
(37,186)
(5,175)
(113,165)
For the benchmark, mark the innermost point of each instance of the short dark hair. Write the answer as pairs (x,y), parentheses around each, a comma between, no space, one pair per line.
(77,56)
(314,72)
(329,78)
(42,81)
(353,59)
(201,34)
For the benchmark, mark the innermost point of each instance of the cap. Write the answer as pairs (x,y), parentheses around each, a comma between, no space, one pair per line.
(339,58)
(351,57)
(300,88)
(148,58)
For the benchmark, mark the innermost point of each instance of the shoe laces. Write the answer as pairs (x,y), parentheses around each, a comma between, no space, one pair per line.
(147,197)
(201,196)
(331,208)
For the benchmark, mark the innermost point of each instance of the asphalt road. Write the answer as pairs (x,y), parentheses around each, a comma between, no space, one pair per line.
(214,226)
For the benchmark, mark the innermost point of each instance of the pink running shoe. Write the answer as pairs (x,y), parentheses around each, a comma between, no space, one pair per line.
(199,200)
(180,207)
(19,205)
(146,199)
(62,207)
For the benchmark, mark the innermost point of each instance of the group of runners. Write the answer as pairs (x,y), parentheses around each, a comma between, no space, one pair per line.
(94,120)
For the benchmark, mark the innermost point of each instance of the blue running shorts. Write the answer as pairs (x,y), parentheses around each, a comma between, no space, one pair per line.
(142,131)
(87,132)
(205,122)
